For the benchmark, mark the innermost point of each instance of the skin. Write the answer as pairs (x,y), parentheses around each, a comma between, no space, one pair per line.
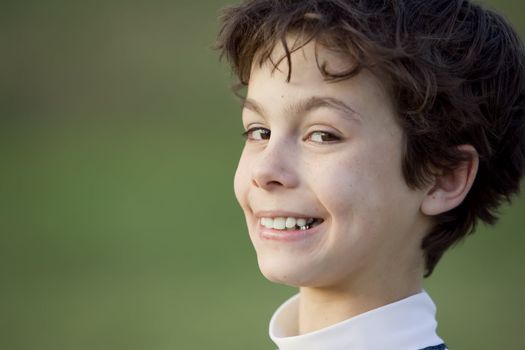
(332,150)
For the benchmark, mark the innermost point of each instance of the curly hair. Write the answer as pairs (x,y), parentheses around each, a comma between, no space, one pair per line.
(455,70)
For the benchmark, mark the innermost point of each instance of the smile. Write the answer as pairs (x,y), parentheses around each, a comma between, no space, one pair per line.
(290,223)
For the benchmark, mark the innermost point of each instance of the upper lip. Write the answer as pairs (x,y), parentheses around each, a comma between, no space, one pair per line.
(282,213)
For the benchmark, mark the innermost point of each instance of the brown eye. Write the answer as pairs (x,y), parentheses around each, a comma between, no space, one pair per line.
(257,134)
(322,137)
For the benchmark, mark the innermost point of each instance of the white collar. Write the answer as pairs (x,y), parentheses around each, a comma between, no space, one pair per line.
(407,324)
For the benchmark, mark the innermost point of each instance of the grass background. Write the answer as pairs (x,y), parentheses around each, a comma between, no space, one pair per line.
(118,225)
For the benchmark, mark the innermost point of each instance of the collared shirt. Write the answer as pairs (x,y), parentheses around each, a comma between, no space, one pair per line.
(407,324)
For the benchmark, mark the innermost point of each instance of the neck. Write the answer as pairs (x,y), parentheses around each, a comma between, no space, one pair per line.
(322,307)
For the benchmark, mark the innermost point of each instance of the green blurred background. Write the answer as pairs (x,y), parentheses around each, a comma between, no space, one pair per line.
(118,226)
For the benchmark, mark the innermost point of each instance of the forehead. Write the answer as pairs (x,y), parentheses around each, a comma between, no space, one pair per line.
(269,80)
(305,60)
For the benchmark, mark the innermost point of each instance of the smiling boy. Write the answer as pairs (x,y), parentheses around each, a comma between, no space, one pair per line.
(377,134)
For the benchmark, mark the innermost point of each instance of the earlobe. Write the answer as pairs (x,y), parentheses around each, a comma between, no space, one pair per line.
(450,188)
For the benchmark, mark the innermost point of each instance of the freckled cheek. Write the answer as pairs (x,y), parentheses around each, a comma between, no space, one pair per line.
(355,186)
(337,187)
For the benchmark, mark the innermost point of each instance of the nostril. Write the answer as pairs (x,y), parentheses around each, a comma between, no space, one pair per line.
(265,184)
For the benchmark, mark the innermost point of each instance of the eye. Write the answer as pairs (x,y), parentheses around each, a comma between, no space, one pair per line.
(322,137)
(257,134)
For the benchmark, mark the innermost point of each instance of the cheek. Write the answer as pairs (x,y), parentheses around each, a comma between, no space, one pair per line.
(241,180)
(360,182)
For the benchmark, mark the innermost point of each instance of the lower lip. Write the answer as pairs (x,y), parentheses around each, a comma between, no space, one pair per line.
(287,235)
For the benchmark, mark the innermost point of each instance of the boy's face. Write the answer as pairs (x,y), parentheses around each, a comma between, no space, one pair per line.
(329,151)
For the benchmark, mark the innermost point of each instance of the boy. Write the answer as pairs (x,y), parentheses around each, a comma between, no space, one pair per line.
(377,134)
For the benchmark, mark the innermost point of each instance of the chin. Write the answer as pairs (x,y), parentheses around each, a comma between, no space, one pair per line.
(285,273)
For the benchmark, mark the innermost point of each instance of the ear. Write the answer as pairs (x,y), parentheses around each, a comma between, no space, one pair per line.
(450,187)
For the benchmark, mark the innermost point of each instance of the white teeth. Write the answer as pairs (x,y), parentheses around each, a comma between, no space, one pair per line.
(287,223)
(267,222)
(279,223)
(290,222)
(301,222)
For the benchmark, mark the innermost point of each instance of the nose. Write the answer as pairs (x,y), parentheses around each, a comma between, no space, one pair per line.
(275,168)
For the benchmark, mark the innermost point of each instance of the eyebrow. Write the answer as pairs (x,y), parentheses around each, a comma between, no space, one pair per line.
(306,105)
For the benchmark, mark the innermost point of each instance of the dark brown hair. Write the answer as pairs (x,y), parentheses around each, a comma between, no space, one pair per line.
(456,73)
